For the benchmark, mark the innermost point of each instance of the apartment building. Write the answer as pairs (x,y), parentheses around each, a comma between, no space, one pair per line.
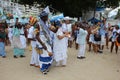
(11,6)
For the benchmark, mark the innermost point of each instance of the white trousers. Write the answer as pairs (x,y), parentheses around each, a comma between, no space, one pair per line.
(34,56)
(82,50)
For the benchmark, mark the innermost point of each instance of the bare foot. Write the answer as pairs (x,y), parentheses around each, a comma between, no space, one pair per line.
(32,64)
(37,66)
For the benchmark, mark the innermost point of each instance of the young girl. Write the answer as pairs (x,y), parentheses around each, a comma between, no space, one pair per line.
(90,37)
(59,47)
(113,38)
(96,39)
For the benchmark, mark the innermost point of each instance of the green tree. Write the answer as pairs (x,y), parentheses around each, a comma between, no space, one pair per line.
(73,8)
(112,3)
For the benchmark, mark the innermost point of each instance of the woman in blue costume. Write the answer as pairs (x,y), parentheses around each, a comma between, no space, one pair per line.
(18,48)
(44,43)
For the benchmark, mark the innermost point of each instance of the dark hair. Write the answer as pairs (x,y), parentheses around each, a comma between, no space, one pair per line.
(116,26)
(17,18)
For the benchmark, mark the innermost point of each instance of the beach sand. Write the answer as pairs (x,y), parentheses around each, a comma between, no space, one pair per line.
(104,66)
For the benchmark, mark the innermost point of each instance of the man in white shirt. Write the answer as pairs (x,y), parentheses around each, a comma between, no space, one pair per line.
(81,40)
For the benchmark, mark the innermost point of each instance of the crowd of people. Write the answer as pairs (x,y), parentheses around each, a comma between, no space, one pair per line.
(101,34)
(49,40)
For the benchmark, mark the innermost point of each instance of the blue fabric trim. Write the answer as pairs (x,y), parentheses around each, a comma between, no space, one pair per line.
(45,67)
(45,59)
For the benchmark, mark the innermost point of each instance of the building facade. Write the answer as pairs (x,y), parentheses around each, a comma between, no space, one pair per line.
(11,6)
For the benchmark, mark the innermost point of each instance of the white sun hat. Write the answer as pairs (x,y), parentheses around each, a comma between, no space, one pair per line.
(67,18)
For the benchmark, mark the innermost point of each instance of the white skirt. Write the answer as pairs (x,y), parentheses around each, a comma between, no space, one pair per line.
(23,41)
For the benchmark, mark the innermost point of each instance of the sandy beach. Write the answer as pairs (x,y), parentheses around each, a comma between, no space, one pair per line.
(104,66)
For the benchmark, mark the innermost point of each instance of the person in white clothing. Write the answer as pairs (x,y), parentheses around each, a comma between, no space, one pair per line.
(10,34)
(67,28)
(113,38)
(44,43)
(81,40)
(60,51)
(31,36)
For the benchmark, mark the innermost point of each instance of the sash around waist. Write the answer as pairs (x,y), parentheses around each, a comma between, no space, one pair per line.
(45,59)
(22,34)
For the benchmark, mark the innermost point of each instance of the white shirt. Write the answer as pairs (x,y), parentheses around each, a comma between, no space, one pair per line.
(81,37)
(67,27)
(10,32)
(31,32)
(118,31)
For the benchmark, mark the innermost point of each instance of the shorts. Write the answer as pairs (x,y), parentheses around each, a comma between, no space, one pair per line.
(70,39)
(91,38)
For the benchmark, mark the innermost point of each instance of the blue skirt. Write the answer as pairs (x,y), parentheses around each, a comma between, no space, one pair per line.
(46,62)
(18,51)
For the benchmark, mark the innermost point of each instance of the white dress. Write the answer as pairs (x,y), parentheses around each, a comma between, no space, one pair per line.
(67,28)
(22,38)
(59,47)
(34,56)
(10,34)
